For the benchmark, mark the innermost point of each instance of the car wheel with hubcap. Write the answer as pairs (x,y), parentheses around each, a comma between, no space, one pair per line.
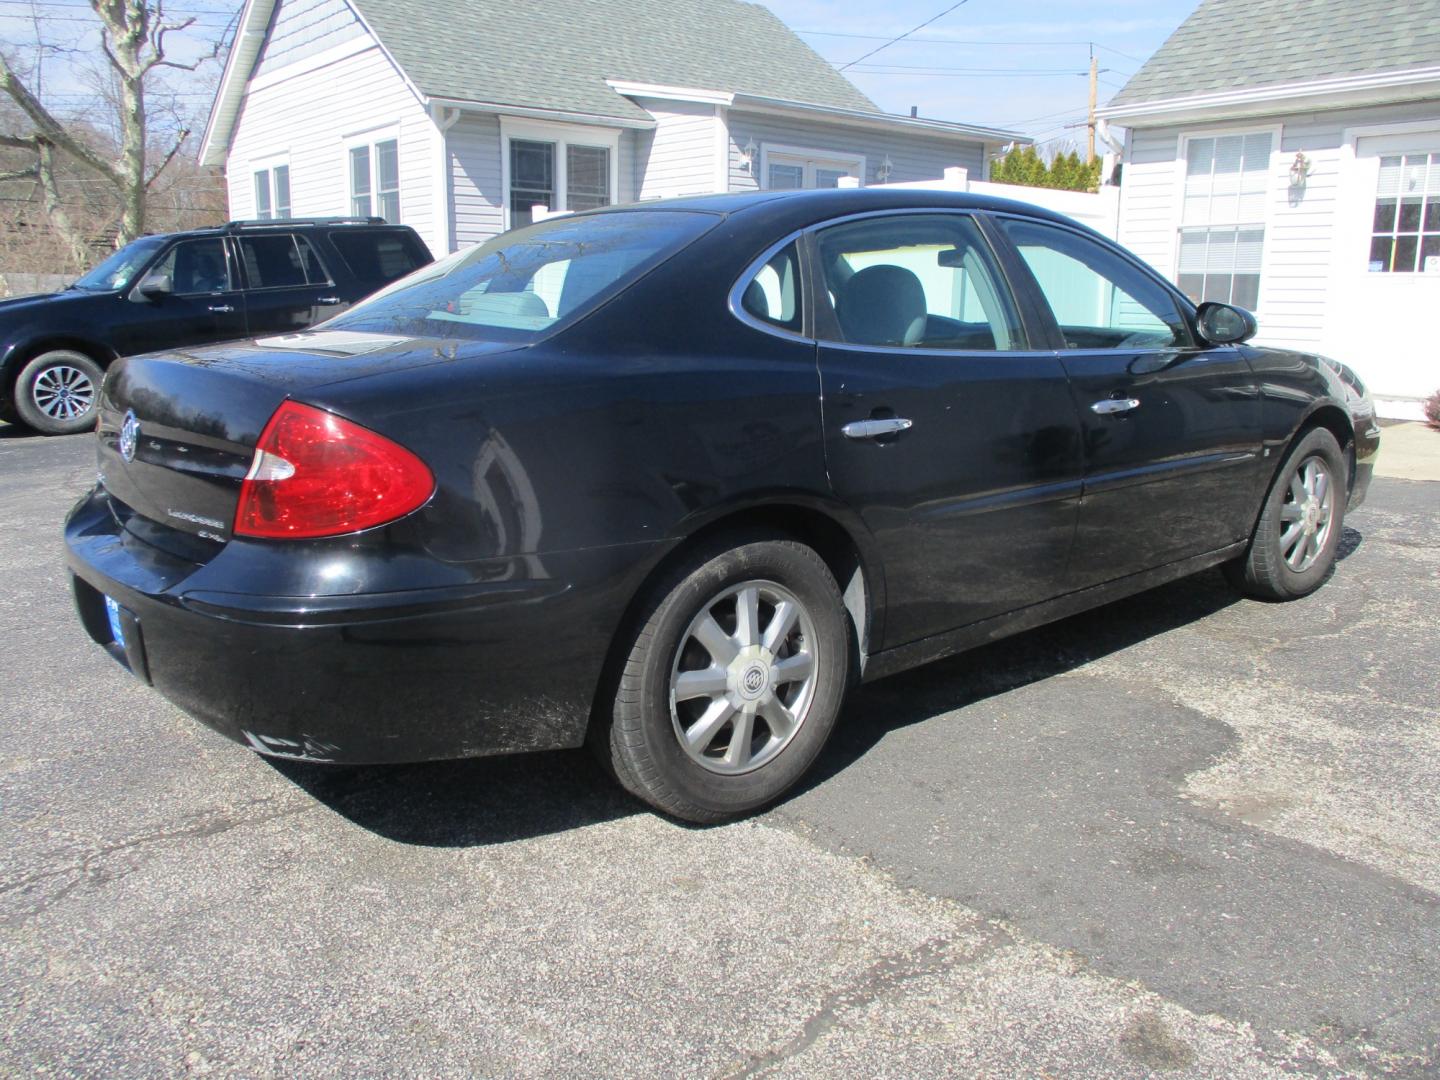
(733,683)
(56,392)
(1295,541)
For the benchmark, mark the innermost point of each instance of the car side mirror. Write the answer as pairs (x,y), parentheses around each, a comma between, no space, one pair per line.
(156,285)
(1225,324)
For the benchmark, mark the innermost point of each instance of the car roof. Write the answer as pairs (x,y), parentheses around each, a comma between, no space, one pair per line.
(803,207)
(238,228)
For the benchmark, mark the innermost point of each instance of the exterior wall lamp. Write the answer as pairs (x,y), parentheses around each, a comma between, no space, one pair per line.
(883,171)
(747,156)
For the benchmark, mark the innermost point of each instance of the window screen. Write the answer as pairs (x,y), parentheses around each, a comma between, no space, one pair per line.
(1222,234)
(1405,233)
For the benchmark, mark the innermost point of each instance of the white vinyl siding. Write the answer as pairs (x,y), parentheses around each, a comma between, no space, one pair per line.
(913,156)
(303,28)
(473,144)
(678,156)
(311,118)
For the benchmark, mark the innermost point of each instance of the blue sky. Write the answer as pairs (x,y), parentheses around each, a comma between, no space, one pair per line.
(1017,64)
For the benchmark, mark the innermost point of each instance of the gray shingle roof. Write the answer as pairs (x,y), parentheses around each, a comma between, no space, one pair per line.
(557,54)
(1238,44)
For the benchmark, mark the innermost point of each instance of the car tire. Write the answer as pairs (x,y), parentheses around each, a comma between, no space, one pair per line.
(57,391)
(747,636)
(1293,547)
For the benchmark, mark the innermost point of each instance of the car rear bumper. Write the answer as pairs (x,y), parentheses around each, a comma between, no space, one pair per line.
(488,667)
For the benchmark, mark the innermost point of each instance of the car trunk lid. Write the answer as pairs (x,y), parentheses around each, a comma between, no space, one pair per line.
(177,431)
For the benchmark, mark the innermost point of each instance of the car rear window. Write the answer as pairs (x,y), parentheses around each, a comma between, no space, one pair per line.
(379,256)
(527,281)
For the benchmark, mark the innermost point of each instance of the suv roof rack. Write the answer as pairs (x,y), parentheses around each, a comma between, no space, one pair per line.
(286,223)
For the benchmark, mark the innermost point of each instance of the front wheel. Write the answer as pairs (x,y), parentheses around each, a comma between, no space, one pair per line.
(1295,540)
(733,683)
(56,391)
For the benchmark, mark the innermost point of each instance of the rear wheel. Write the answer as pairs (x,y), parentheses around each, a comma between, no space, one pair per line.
(734,682)
(56,392)
(1295,541)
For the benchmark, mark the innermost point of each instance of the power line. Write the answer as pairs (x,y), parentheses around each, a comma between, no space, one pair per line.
(907,33)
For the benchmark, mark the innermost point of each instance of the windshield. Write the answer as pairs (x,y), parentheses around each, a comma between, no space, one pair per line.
(523,282)
(120,269)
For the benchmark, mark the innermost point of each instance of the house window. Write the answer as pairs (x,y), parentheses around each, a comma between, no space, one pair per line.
(788,168)
(1222,232)
(375,180)
(561,169)
(272,192)
(1405,234)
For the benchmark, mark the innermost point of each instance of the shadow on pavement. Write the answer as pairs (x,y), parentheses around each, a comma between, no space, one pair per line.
(467,803)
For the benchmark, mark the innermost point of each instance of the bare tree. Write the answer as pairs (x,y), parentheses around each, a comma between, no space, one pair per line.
(133,37)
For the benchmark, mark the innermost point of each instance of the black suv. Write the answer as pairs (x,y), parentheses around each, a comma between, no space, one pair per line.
(242,279)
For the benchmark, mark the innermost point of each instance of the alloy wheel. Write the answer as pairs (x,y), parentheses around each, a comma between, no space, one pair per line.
(744,677)
(1307,515)
(63,392)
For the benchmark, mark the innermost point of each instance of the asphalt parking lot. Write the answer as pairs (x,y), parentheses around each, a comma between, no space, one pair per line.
(1184,835)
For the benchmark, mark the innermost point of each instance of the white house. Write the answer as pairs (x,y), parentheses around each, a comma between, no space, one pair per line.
(1286,157)
(458,116)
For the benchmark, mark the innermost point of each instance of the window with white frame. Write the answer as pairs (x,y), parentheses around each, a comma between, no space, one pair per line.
(788,168)
(272,192)
(1405,233)
(1222,230)
(375,179)
(560,168)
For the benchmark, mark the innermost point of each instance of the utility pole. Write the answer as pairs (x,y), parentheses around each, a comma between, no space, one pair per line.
(1094,83)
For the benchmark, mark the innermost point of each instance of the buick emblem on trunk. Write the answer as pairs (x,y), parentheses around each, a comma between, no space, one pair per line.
(129,436)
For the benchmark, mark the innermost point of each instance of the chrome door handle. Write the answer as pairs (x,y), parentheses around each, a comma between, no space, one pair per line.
(1111,406)
(223,309)
(873,429)
(328,300)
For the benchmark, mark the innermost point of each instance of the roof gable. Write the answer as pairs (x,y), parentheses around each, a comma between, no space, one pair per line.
(558,54)
(1240,44)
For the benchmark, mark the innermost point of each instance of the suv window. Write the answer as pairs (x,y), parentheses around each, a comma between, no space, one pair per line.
(377,257)
(277,261)
(1100,299)
(918,281)
(196,266)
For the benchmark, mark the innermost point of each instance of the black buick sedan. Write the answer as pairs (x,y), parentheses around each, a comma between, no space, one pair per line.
(669,478)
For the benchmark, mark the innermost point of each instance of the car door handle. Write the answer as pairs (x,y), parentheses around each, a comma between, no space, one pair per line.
(1111,406)
(328,300)
(873,429)
(221,309)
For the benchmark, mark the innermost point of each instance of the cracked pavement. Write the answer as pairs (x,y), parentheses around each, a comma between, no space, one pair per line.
(1184,835)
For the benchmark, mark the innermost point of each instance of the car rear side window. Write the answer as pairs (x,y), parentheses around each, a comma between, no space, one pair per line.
(1099,298)
(378,256)
(773,293)
(280,261)
(527,280)
(918,281)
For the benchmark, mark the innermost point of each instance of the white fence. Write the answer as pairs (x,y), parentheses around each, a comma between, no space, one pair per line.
(1099,210)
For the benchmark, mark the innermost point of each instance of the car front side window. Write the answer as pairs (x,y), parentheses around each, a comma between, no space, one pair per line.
(1099,299)
(917,281)
(195,267)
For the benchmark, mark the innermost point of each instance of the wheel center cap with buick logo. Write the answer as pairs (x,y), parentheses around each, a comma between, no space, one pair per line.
(129,436)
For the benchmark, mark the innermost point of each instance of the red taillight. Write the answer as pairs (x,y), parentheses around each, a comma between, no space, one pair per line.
(316,474)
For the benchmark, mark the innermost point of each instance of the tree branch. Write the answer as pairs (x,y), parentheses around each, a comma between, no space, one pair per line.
(30,172)
(50,130)
(179,142)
